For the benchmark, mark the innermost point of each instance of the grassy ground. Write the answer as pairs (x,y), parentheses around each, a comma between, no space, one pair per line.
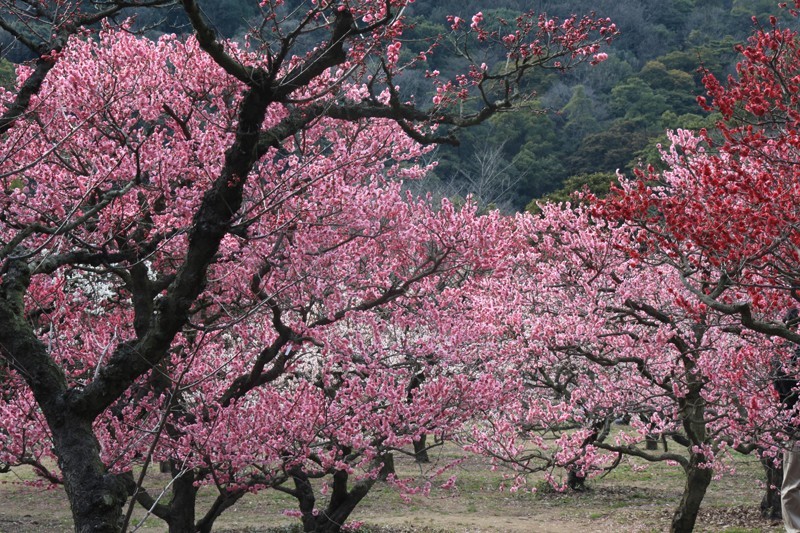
(625,501)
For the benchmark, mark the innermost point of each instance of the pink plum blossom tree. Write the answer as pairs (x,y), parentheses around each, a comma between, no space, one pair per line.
(199,237)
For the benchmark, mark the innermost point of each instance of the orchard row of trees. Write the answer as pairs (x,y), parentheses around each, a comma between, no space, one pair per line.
(208,261)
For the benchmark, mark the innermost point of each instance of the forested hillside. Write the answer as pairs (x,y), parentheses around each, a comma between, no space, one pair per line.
(585,121)
(597,120)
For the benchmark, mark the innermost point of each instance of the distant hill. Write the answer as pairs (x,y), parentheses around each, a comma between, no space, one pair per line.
(590,120)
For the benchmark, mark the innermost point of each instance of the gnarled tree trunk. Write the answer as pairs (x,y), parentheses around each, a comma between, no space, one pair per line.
(340,506)
(96,497)
(697,481)
(421,450)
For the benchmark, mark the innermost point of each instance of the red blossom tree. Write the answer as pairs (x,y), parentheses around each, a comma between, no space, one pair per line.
(198,235)
(723,217)
(725,213)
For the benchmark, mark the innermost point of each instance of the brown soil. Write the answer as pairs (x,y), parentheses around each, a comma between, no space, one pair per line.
(624,501)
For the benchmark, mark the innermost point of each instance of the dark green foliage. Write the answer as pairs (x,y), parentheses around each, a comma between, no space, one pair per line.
(597,183)
(614,147)
(634,99)
(580,114)
(8,74)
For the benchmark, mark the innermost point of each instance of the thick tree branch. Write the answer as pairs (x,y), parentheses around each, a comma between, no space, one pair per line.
(636,452)
(745,312)
(328,56)
(210,224)
(209,42)
(20,346)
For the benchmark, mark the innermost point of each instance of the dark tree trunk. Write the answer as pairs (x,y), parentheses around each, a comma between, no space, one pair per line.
(181,510)
(697,482)
(306,500)
(693,411)
(421,450)
(223,502)
(342,502)
(575,481)
(387,468)
(96,497)
(341,505)
(184,502)
(771,502)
